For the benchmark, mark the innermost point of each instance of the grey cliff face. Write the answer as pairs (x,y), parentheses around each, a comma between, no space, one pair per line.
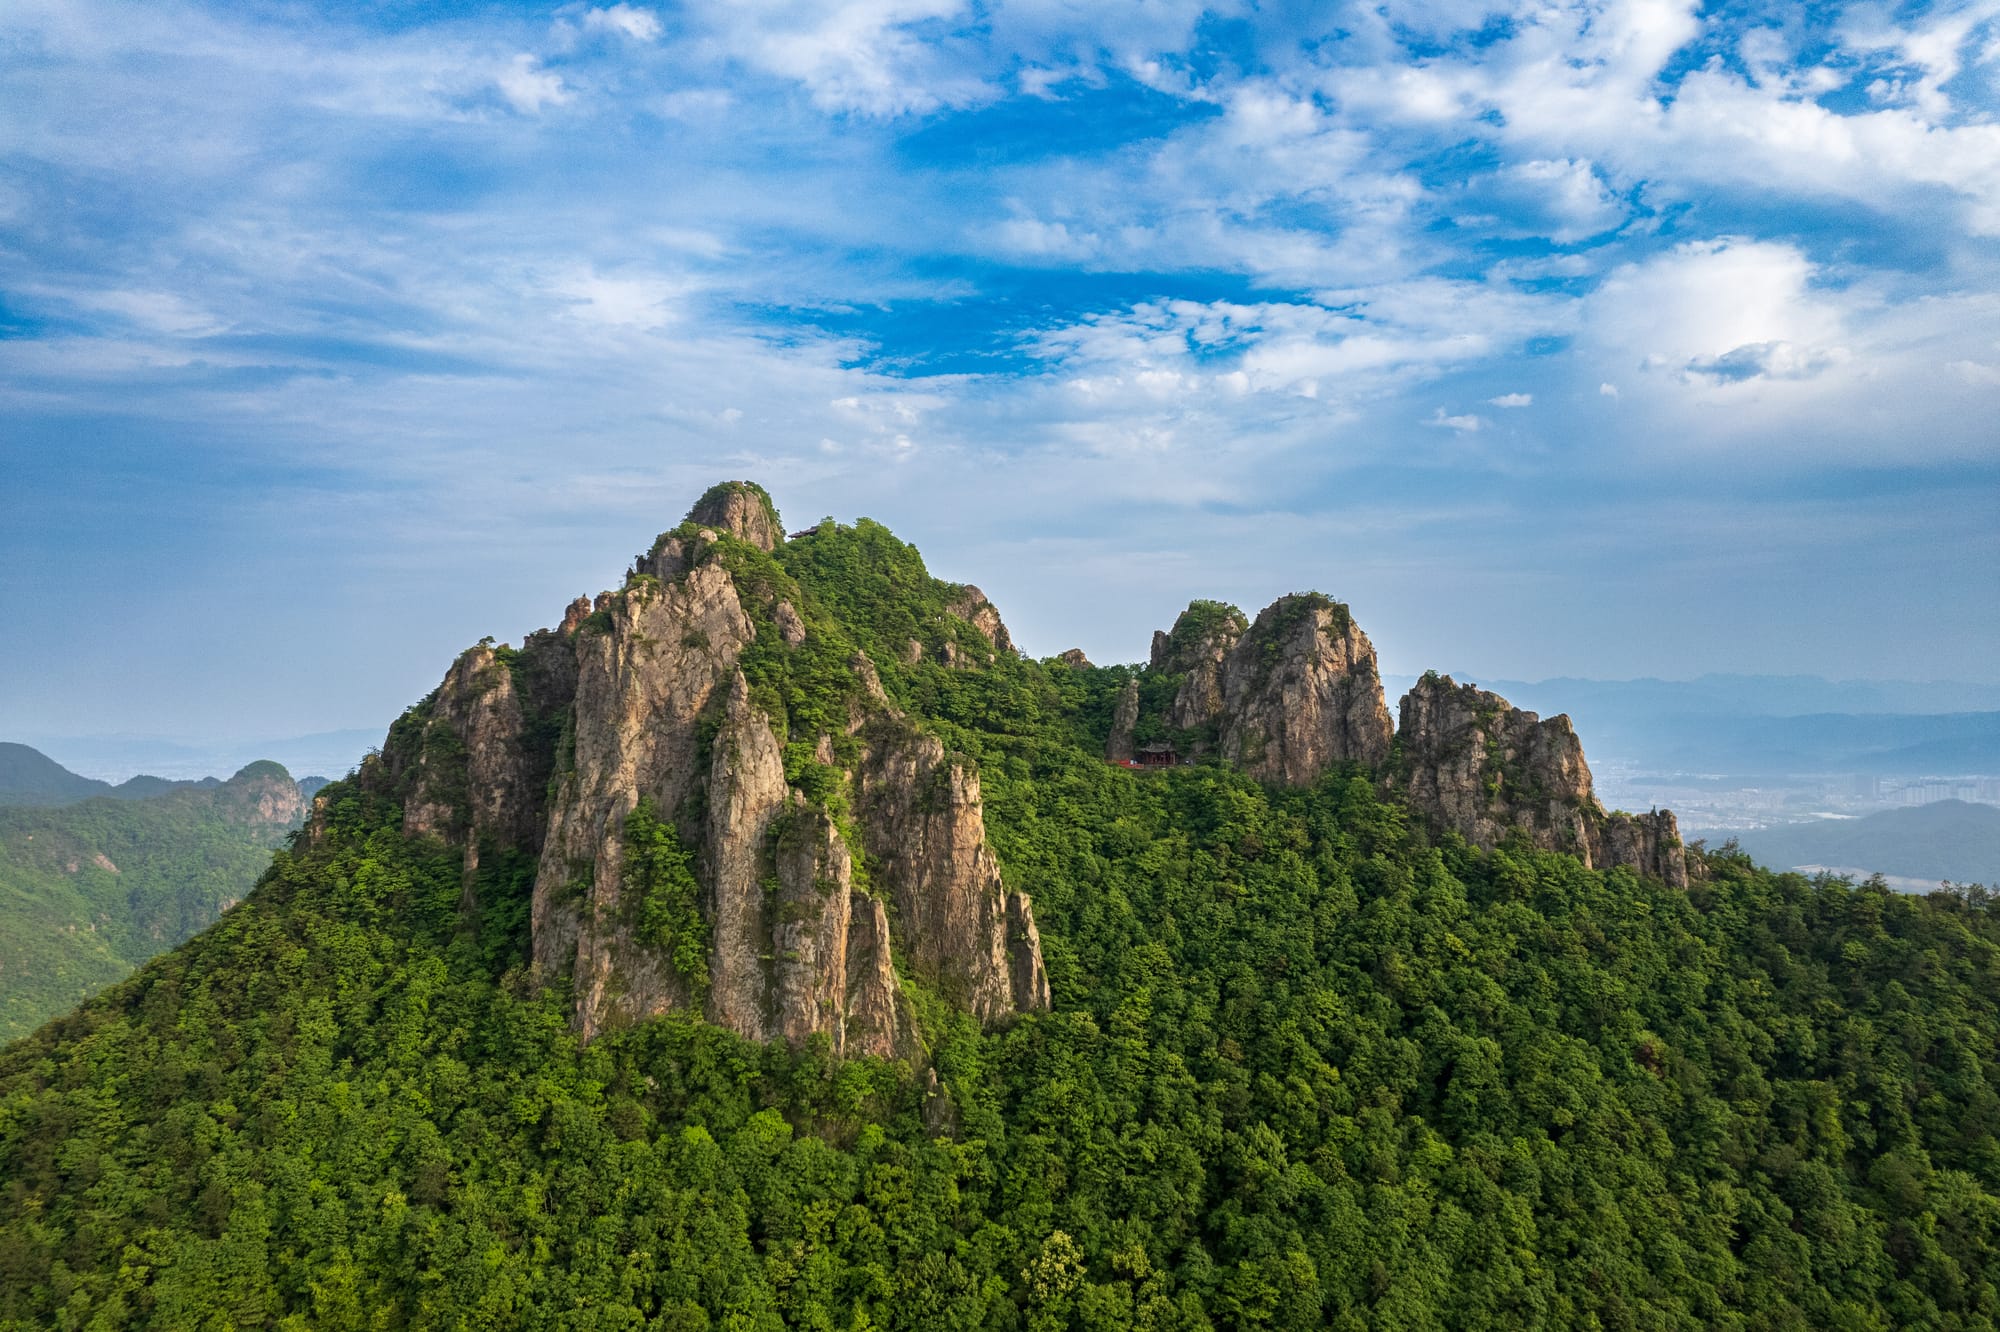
(643,685)
(925,831)
(646,690)
(740,509)
(1301,693)
(1124,717)
(1484,768)
(746,791)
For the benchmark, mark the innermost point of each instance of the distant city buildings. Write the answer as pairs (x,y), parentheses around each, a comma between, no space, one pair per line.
(1716,802)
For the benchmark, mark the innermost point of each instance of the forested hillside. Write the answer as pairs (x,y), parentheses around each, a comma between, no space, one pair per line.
(89,890)
(1308,1061)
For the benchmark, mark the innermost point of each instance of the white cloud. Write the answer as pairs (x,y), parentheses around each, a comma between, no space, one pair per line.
(1464,425)
(641,25)
(644,301)
(873,57)
(527,88)
(1513,400)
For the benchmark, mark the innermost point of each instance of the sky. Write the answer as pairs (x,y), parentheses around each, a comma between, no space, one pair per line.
(1607,339)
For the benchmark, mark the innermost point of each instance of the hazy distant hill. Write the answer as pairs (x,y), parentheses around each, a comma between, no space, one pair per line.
(1946,840)
(116,756)
(88,890)
(30,777)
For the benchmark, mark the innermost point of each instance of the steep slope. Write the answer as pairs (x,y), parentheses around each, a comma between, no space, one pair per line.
(1309,1057)
(1483,768)
(800,835)
(90,890)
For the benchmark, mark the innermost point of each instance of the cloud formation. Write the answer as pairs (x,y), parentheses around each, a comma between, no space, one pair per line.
(388,287)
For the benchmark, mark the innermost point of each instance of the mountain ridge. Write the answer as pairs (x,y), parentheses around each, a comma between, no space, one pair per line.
(1310,1057)
(715,695)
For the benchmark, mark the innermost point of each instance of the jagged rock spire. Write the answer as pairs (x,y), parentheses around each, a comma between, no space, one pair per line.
(1475,764)
(742,509)
(641,700)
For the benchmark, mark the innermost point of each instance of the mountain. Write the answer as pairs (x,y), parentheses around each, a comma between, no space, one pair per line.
(193,758)
(1769,725)
(30,777)
(1948,839)
(90,890)
(771,944)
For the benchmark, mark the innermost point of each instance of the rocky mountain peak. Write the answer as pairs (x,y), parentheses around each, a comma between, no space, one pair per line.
(263,793)
(1202,634)
(1485,769)
(698,848)
(1302,692)
(743,509)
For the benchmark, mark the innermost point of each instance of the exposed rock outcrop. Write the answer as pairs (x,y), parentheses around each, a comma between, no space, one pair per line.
(746,791)
(1285,699)
(973,607)
(1650,843)
(925,831)
(1195,650)
(469,772)
(643,684)
(1480,766)
(1074,659)
(261,794)
(1124,718)
(742,898)
(742,509)
(1302,692)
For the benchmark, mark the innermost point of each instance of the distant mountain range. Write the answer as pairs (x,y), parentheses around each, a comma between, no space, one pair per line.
(1948,839)
(95,879)
(115,758)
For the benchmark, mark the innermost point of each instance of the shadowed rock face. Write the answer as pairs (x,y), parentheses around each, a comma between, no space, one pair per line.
(642,696)
(1476,764)
(925,830)
(479,776)
(1195,650)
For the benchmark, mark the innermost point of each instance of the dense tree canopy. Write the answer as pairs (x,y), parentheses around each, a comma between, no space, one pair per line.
(1308,1066)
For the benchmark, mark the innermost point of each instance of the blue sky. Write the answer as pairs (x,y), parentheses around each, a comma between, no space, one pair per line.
(1610,339)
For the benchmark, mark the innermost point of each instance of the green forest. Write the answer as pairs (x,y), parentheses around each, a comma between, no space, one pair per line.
(1310,1065)
(91,889)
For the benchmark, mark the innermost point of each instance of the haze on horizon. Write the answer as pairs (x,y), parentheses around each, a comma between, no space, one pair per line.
(1594,339)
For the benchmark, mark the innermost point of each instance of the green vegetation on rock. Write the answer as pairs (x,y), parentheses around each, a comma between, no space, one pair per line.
(1309,1065)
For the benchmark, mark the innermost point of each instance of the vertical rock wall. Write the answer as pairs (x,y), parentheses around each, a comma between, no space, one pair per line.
(1302,693)
(1476,764)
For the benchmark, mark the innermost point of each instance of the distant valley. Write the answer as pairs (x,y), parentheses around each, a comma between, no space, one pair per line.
(95,879)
